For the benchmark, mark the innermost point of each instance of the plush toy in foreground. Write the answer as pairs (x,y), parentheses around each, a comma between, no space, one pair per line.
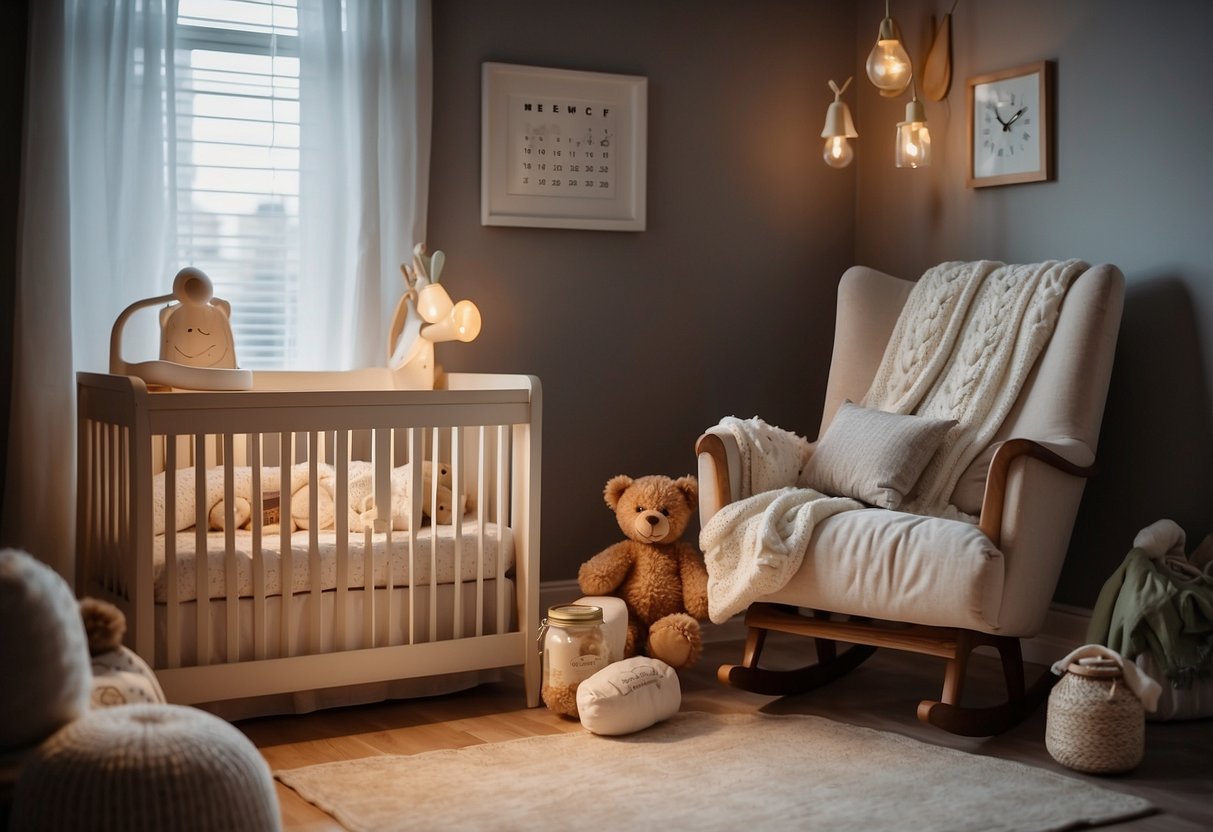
(120,677)
(661,578)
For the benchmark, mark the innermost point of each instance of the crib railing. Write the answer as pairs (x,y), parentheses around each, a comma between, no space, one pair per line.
(486,428)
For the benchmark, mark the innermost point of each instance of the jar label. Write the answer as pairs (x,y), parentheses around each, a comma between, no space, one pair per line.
(577,669)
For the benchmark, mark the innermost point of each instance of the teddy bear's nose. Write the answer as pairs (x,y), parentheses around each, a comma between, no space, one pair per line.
(652,518)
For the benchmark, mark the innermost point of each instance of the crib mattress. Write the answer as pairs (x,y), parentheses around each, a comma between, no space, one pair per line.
(435,556)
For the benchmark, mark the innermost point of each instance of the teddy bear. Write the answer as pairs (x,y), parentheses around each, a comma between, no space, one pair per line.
(662,579)
(442,511)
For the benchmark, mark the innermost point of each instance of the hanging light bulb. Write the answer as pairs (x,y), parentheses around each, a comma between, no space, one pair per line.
(838,130)
(913,137)
(888,63)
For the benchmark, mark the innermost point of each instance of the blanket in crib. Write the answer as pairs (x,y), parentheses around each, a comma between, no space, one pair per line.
(359,489)
(962,348)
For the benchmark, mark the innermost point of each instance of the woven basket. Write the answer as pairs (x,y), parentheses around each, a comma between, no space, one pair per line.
(1095,723)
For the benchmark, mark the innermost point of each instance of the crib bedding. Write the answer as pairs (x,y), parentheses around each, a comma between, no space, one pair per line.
(434,553)
(392,616)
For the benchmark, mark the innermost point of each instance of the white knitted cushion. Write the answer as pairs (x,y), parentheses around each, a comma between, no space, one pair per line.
(873,456)
(146,767)
(44,667)
(629,695)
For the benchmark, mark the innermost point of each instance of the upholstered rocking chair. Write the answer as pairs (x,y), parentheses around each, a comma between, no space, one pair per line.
(885,577)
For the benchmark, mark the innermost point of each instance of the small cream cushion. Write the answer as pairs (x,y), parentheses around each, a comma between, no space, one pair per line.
(873,456)
(627,696)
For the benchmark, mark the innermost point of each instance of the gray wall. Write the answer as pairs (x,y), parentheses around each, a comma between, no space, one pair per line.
(1134,187)
(723,305)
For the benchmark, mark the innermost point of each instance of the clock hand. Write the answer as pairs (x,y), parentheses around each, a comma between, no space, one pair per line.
(1006,126)
(994,109)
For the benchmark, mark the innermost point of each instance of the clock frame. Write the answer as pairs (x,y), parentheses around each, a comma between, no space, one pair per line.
(1010,126)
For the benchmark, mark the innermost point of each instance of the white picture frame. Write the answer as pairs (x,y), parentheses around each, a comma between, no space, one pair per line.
(575,119)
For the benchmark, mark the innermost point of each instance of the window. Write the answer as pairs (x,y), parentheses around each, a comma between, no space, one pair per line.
(235,149)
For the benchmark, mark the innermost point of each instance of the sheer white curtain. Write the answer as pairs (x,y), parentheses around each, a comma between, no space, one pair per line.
(97,208)
(365,84)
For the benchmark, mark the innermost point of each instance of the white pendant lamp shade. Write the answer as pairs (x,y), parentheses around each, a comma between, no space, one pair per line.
(839,130)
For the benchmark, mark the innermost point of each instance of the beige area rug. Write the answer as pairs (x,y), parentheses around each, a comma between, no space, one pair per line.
(707,772)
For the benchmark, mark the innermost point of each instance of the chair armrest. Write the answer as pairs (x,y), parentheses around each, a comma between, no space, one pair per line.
(719,472)
(994,499)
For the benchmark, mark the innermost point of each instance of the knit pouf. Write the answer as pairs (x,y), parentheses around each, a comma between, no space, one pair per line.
(146,767)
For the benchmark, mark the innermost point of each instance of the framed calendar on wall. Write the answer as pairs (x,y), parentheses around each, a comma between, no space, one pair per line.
(562,148)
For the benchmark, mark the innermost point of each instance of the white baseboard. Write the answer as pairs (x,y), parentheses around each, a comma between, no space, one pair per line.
(1065,626)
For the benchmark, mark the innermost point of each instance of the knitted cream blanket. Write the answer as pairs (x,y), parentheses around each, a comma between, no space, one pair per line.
(962,349)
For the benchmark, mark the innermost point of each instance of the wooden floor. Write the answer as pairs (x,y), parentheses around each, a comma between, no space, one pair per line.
(1176,773)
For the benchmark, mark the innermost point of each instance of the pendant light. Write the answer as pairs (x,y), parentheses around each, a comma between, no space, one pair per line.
(888,64)
(913,137)
(839,130)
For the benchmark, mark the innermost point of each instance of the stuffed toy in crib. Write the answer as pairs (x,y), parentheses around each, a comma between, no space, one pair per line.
(662,579)
(441,507)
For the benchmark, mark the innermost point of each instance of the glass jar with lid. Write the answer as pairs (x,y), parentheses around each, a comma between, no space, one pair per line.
(574,648)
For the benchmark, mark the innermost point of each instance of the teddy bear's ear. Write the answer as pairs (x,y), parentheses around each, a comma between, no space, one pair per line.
(615,488)
(690,487)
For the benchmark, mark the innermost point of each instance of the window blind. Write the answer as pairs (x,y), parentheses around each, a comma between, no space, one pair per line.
(234,147)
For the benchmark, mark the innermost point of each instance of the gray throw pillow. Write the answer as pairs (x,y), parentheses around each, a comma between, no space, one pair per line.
(873,456)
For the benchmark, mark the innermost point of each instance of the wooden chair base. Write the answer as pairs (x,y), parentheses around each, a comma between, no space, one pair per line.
(952,644)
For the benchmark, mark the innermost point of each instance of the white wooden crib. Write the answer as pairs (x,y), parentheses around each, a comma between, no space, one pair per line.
(267,610)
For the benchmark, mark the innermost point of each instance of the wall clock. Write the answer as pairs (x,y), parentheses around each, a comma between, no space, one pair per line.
(1011,126)
(562,148)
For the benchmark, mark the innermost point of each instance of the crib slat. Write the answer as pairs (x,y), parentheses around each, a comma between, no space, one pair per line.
(257,512)
(502,513)
(313,537)
(416,455)
(86,500)
(104,572)
(286,563)
(481,524)
(202,582)
(435,455)
(342,507)
(172,597)
(128,567)
(385,515)
(368,583)
(232,588)
(382,466)
(456,524)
